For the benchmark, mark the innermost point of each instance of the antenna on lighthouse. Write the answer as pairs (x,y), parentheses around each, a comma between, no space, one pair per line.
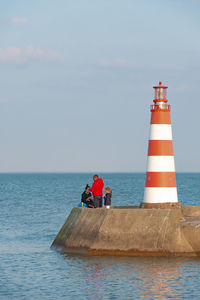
(160,185)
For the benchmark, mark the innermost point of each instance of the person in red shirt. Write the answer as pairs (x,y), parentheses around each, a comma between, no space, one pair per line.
(97,190)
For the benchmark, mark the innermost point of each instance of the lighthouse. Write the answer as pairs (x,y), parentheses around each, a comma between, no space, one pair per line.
(160,185)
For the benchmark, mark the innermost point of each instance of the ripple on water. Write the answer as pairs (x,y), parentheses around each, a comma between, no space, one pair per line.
(34,207)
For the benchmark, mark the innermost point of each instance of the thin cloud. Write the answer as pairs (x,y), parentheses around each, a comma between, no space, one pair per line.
(117,62)
(137,64)
(18,20)
(27,54)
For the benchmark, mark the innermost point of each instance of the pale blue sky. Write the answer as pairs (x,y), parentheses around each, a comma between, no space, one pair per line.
(76,82)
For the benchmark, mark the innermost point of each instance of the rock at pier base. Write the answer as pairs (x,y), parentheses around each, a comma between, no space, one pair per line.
(131,231)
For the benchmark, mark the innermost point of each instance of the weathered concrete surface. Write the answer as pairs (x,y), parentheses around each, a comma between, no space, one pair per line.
(190,227)
(131,231)
(171,205)
(67,227)
(191,211)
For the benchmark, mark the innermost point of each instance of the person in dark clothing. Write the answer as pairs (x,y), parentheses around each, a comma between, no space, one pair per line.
(107,197)
(87,197)
(97,190)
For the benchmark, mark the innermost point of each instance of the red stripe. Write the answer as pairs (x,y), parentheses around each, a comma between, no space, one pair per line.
(160,179)
(160,147)
(160,117)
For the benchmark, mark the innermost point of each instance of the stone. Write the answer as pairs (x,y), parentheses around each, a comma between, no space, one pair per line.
(131,231)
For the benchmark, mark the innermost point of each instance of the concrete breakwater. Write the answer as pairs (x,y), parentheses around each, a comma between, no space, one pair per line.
(131,231)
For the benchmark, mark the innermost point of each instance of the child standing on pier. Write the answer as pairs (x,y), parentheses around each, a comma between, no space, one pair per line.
(107,197)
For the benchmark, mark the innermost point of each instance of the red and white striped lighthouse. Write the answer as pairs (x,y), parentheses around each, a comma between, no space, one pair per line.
(160,185)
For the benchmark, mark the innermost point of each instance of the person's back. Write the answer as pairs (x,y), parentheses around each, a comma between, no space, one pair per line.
(97,190)
(97,187)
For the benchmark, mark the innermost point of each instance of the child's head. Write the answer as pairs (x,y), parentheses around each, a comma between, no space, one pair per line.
(108,190)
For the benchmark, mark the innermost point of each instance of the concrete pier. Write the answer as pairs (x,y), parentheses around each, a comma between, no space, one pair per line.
(131,231)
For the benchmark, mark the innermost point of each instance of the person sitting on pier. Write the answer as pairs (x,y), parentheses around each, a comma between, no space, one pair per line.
(97,190)
(87,197)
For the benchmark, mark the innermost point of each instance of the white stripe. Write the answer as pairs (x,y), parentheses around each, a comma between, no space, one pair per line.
(161,132)
(160,195)
(160,164)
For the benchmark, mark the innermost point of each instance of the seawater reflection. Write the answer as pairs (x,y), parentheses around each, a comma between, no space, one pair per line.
(160,279)
(138,278)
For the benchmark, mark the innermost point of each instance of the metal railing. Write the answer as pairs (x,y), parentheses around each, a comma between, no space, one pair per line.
(162,106)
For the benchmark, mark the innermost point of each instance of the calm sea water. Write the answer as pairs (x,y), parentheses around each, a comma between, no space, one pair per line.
(33,209)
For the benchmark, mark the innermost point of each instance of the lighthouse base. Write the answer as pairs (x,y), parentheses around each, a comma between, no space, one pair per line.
(169,205)
(131,231)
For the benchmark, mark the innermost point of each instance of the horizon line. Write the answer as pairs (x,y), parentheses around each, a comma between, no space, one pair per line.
(87,172)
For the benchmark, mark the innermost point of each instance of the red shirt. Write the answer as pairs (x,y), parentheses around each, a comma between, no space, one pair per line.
(97,187)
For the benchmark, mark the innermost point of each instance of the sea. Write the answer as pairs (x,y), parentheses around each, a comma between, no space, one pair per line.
(33,207)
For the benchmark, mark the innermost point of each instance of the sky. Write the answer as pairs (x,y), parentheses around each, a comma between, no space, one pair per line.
(77,77)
